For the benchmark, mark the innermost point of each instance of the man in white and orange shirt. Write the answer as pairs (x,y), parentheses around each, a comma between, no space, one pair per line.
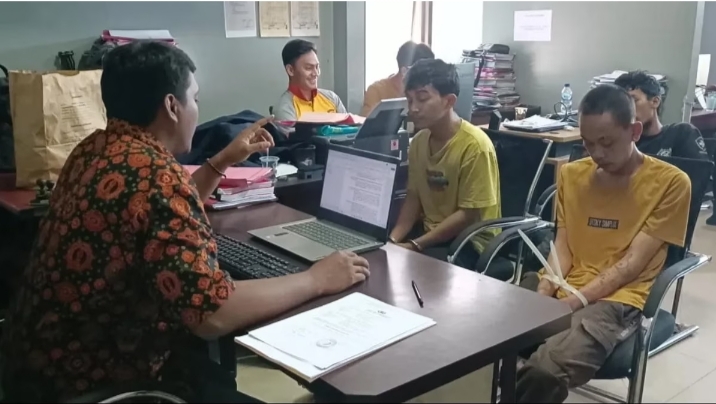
(392,87)
(303,95)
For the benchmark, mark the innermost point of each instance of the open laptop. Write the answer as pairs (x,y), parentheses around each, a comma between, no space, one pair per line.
(358,188)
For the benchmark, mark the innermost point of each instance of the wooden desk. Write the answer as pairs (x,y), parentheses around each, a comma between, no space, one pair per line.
(559,136)
(479,320)
(17,201)
(705,121)
(563,139)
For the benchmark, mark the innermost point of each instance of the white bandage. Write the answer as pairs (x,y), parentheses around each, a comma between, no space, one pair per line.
(552,275)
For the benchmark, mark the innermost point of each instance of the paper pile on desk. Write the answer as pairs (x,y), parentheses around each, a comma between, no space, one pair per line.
(610,78)
(316,342)
(535,122)
(331,118)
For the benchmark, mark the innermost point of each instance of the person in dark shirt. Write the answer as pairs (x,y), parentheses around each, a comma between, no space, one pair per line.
(124,282)
(677,139)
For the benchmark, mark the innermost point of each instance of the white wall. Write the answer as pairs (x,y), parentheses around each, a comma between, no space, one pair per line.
(457,26)
(388,25)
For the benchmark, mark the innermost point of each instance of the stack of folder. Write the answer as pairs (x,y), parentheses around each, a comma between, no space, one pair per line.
(242,187)
(496,88)
(610,78)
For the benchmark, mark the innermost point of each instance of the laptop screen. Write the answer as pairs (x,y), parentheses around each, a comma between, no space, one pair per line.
(358,187)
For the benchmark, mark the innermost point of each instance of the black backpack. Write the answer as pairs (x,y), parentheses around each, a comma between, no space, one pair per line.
(7,149)
(92,59)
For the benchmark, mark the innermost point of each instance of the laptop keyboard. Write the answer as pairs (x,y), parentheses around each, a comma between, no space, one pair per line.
(244,262)
(326,235)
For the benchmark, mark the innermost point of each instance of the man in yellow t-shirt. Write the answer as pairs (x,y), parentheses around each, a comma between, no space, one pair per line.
(617,213)
(300,60)
(453,179)
(392,87)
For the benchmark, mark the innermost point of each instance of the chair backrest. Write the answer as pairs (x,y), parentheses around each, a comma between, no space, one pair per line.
(520,161)
(710,144)
(699,172)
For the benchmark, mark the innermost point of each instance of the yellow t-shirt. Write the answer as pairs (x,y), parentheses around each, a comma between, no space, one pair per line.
(601,223)
(290,107)
(462,175)
(384,89)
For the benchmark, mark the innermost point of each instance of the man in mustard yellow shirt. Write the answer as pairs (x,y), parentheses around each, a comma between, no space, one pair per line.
(392,87)
(617,213)
(453,179)
(300,59)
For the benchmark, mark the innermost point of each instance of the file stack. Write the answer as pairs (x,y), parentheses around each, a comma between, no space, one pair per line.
(610,78)
(496,87)
(243,186)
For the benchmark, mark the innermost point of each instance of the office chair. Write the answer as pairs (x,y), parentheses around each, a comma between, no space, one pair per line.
(710,144)
(658,329)
(520,161)
(156,392)
(140,393)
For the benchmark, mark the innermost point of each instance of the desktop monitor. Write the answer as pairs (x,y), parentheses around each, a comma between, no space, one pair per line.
(385,119)
(466,75)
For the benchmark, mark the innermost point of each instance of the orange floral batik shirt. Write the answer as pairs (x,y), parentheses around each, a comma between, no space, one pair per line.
(124,264)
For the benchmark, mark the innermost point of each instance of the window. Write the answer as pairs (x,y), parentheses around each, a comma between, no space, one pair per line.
(389,24)
(456,26)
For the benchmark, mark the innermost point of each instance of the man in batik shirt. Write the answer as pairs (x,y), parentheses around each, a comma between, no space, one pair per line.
(123,275)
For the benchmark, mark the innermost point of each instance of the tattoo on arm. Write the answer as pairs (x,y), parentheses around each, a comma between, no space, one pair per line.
(625,271)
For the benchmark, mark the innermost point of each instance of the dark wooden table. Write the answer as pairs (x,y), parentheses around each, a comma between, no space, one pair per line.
(705,121)
(480,321)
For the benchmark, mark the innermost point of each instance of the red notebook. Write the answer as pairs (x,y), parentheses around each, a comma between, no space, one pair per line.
(237,177)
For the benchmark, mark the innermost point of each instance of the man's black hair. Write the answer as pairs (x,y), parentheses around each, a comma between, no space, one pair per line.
(640,80)
(433,72)
(410,52)
(138,76)
(612,99)
(296,48)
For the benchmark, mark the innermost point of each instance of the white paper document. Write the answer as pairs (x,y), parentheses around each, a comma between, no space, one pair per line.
(304,18)
(313,343)
(240,19)
(274,18)
(141,33)
(533,25)
(534,122)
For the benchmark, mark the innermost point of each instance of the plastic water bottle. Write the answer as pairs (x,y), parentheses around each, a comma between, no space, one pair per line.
(566,108)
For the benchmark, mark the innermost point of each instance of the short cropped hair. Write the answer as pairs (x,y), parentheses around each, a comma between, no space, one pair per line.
(296,48)
(612,99)
(442,76)
(639,80)
(137,77)
(410,52)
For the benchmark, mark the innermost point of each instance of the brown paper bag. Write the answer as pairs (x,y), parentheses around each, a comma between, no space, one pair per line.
(51,114)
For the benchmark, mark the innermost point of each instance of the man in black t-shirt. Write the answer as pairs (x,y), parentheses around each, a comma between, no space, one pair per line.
(678,139)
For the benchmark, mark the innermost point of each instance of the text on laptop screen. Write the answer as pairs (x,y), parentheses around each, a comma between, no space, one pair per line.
(358,187)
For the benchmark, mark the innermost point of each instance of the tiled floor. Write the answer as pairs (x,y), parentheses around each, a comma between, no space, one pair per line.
(686,372)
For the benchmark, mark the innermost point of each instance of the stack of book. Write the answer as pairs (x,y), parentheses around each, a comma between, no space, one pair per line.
(610,78)
(496,87)
(243,186)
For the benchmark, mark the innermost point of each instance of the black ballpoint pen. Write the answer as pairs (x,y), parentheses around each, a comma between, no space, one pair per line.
(417,294)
